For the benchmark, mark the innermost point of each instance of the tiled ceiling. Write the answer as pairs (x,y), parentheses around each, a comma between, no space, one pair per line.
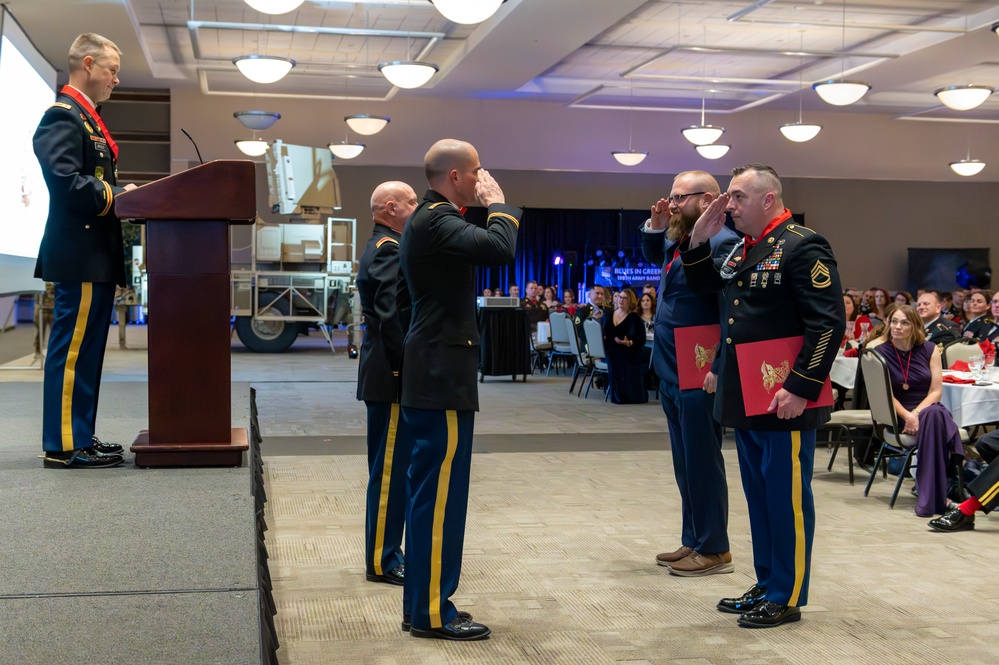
(655,55)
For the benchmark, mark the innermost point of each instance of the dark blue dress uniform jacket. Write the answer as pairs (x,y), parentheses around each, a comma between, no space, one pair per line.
(385,304)
(678,306)
(82,240)
(800,296)
(439,253)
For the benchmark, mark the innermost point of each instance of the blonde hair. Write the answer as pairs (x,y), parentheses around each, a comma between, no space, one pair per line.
(92,44)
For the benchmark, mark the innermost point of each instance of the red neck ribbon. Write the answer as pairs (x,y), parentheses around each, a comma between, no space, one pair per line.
(92,112)
(774,223)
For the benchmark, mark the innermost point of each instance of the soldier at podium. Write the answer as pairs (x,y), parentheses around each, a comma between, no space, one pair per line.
(81,252)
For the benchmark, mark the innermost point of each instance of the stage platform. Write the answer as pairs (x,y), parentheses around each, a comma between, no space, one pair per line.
(127,565)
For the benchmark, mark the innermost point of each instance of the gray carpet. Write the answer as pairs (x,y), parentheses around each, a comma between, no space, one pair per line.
(165,557)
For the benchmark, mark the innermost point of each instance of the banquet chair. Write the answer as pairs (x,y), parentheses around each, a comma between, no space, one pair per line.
(960,349)
(893,442)
(594,334)
(559,337)
(583,363)
(848,426)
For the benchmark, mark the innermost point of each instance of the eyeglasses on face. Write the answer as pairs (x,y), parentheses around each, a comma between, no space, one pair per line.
(675,199)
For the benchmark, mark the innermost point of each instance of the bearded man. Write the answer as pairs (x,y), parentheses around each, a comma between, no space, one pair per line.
(695,437)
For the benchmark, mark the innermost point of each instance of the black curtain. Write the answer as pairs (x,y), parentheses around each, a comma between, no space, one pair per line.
(545,233)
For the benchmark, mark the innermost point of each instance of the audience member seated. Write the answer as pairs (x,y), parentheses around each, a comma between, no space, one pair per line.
(992,332)
(514,291)
(569,302)
(855,322)
(551,300)
(957,306)
(537,310)
(624,340)
(879,303)
(498,292)
(937,329)
(594,307)
(984,490)
(981,318)
(903,298)
(867,301)
(487,293)
(916,373)
(650,288)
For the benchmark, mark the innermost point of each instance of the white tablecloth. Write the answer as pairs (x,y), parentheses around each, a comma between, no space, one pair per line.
(544,331)
(970,404)
(844,371)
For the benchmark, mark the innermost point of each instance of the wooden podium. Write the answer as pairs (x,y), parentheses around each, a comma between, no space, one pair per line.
(187,217)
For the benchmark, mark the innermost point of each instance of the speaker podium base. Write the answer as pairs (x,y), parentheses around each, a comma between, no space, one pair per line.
(190,454)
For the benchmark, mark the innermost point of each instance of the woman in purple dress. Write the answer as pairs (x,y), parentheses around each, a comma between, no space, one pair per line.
(916,373)
(624,340)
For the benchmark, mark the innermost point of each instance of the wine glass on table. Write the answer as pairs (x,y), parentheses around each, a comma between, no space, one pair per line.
(976,363)
(990,362)
(864,327)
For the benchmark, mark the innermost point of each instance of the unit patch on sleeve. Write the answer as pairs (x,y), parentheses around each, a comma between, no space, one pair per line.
(99,173)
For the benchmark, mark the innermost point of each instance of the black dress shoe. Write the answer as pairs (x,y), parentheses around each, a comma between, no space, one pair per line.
(769,614)
(743,603)
(406,625)
(106,448)
(82,458)
(953,520)
(458,629)
(396,576)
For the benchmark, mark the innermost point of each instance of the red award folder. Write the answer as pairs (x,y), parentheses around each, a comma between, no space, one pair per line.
(763,368)
(695,351)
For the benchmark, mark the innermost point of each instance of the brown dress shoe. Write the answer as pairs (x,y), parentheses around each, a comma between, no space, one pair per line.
(666,558)
(698,564)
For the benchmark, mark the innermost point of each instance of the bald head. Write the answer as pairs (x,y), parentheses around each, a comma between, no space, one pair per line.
(698,181)
(392,203)
(452,168)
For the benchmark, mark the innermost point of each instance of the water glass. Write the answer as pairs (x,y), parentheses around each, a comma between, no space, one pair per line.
(976,363)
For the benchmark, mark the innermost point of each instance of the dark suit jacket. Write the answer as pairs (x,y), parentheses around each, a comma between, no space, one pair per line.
(979,328)
(82,240)
(678,305)
(941,331)
(386,308)
(801,296)
(439,254)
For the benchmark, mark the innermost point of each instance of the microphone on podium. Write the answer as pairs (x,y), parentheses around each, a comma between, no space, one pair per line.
(194,144)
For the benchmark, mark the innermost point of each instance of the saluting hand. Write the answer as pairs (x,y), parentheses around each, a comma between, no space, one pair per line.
(487,190)
(660,215)
(710,222)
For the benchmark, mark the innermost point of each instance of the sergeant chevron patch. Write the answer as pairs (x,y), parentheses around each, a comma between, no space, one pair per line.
(821,277)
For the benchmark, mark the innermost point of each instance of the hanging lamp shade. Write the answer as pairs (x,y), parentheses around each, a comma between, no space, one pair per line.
(630,157)
(713,151)
(963,97)
(799,132)
(366,124)
(257,120)
(841,93)
(274,6)
(702,134)
(407,74)
(346,150)
(252,147)
(967,167)
(263,68)
(467,11)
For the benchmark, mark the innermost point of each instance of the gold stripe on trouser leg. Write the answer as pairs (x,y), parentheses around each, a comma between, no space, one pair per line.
(393,427)
(799,518)
(69,372)
(437,540)
(990,494)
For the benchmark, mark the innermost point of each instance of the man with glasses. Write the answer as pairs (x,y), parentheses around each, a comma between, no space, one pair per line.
(81,252)
(695,438)
(780,281)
